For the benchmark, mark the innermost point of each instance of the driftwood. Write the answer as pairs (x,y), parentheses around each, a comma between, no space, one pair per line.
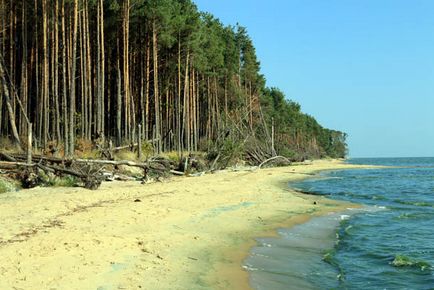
(175,172)
(90,180)
(133,145)
(274,158)
(8,165)
(56,160)
(215,161)
(89,171)
(111,162)
(130,146)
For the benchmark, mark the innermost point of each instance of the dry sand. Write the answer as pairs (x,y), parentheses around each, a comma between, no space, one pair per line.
(186,233)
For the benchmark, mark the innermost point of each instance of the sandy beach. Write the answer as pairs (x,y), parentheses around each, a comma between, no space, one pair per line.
(183,233)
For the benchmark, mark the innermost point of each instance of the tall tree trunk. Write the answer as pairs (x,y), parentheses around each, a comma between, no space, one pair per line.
(194,105)
(226,99)
(85,73)
(72,82)
(148,69)
(89,104)
(12,28)
(179,98)
(216,106)
(119,101)
(98,72)
(45,76)
(39,94)
(102,64)
(187,104)
(65,85)
(142,93)
(82,94)
(127,108)
(56,70)
(24,71)
(209,109)
(250,106)
(156,87)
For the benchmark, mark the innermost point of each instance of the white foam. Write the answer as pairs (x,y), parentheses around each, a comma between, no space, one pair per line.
(249,268)
(344,217)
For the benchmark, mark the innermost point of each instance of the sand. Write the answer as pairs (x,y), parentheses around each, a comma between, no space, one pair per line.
(184,233)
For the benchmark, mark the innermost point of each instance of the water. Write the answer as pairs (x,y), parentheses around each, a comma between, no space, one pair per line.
(389,244)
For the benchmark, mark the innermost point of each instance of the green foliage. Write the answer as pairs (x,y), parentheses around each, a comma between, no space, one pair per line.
(228,152)
(227,67)
(6,185)
(147,150)
(197,55)
(51,180)
(288,153)
(174,156)
(126,155)
(300,133)
(65,181)
(132,155)
(227,56)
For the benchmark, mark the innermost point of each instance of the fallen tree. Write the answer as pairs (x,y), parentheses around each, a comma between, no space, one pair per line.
(90,172)
(282,158)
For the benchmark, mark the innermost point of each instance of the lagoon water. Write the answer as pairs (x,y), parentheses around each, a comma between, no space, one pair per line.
(388,244)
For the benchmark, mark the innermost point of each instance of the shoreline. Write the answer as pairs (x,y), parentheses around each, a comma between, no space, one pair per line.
(192,232)
(295,255)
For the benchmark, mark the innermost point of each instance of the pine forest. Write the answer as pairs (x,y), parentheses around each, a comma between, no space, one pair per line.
(159,73)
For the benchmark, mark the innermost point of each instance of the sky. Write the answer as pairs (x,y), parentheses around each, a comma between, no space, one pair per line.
(365,67)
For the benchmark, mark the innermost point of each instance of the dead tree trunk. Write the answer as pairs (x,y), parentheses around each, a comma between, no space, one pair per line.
(15,135)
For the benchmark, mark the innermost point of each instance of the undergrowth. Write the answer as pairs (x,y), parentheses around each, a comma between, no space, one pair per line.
(6,185)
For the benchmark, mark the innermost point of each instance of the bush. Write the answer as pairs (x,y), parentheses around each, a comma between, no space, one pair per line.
(173,156)
(126,155)
(6,186)
(204,144)
(288,153)
(147,150)
(229,152)
(85,149)
(6,144)
(66,181)
(50,179)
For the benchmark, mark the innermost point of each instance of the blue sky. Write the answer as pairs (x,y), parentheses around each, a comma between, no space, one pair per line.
(365,67)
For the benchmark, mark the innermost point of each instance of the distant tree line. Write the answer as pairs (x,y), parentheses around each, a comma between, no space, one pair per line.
(82,69)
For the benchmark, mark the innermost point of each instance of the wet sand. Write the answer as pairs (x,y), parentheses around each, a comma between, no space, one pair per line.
(185,233)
